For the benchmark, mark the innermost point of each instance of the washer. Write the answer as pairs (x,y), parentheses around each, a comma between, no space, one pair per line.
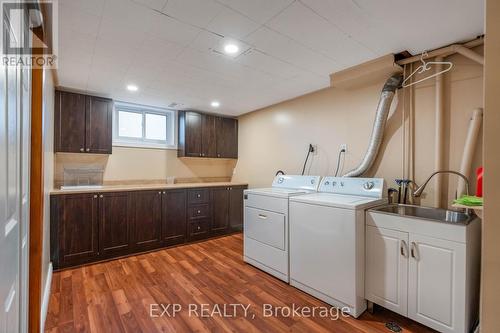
(266,222)
(327,240)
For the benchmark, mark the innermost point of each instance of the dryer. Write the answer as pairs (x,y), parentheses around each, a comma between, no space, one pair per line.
(266,228)
(327,240)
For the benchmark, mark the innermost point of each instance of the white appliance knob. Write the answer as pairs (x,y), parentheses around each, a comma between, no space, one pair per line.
(368,185)
(280,180)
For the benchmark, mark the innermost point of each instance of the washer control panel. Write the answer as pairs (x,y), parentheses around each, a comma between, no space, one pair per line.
(365,187)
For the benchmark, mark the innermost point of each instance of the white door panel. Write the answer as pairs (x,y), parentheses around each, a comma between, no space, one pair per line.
(387,268)
(435,263)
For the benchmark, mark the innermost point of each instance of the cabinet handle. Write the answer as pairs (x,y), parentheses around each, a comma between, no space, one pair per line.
(198,228)
(81,149)
(262,216)
(404,249)
(101,196)
(88,149)
(159,192)
(200,154)
(413,250)
(198,195)
(95,196)
(218,155)
(199,211)
(164,192)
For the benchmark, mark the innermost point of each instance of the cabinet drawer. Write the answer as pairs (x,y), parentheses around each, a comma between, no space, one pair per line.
(199,211)
(199,229)
(197,196)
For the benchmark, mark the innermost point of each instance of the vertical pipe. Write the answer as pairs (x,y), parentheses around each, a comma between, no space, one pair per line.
(469,148)
(439,135)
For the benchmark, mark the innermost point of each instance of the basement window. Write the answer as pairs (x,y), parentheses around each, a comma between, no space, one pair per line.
(143,126)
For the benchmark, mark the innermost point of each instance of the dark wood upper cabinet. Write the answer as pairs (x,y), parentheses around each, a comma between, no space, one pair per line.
(83,123)
(174,220)
(220,204)
(204,135)
(190,134)
(69,122)
(99,125)
(208,134)
(236,207)
(114,228)
(146,231)
(227,137)
(74,234)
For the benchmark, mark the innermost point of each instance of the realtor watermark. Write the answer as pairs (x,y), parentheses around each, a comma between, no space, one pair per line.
(233,310)
(29,33)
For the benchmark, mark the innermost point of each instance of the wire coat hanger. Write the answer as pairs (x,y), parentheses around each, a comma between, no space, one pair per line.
(426,66)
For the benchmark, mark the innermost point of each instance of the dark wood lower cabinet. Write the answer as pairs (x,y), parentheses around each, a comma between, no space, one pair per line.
(236,208)
(174,220)
(74,226)
(220,204)
(146,232)
(94,226)
(115,221)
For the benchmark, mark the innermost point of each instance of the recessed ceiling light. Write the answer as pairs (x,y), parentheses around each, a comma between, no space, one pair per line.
(132,87)
(231,48)
(215,104)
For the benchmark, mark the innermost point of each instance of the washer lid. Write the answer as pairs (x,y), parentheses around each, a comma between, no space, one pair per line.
(338,200)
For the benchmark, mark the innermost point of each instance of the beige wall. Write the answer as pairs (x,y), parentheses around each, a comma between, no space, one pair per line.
(277,137)
(490,313)
(48,128)
(134,164)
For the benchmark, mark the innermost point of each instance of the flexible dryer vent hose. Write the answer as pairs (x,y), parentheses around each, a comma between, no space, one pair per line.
(384,105)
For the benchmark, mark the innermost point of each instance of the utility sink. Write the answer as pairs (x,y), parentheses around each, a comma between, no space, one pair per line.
(426,213)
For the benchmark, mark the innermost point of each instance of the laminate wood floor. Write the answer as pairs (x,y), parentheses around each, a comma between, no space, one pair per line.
(120,296)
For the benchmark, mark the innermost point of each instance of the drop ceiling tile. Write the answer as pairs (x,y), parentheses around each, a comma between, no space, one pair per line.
(232,24)
(78,20)
(258,10)
(196,12)
(288,50)
(126,13)
(260,61)
(168,29)
(301,24)
(153,4)
(94,7)
(206,40)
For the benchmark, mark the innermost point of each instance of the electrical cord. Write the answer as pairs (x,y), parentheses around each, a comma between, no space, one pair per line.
(309,151)
(338,162)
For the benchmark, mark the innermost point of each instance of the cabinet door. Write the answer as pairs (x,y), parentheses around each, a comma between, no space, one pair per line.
(436,283)
(174,226)
(387,268)
(146,233)
(192,134)
(77,234)
(99,125)
(114,225)
(208,148)
(236,208)
(69,122)
(227,137)
(220,208)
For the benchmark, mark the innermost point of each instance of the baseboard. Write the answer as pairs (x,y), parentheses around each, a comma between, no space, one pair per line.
(46,297)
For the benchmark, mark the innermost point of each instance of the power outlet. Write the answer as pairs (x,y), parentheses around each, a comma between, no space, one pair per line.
(343,147)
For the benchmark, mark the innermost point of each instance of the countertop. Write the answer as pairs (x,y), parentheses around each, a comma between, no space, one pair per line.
(142,187)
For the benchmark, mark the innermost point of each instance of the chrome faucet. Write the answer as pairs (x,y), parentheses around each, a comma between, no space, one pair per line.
(418,192)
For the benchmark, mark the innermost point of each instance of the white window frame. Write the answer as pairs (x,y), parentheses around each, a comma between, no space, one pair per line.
(171,126)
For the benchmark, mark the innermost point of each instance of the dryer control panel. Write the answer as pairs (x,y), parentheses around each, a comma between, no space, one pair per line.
(297,182)
(364,187)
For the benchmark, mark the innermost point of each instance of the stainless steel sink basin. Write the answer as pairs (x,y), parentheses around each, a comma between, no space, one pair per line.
(426,213)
